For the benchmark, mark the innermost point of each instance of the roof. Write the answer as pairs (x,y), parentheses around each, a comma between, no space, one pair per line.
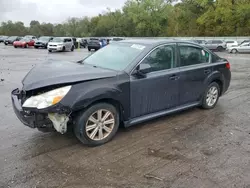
(153,42)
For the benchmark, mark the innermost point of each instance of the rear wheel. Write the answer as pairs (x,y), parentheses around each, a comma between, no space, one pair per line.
(36,47)
(72,48)
(64,49)
(220,48)
(211,96)
(5,44)
(97,125)
(15,46)
(26,45)
(89,49)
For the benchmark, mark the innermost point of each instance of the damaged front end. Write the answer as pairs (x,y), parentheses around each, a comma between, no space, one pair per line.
(42,110)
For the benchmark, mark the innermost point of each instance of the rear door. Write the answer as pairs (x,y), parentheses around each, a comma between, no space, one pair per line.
(157,89)
(195,67)
(244,48)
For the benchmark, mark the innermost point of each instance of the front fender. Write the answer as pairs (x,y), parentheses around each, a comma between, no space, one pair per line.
(87,98)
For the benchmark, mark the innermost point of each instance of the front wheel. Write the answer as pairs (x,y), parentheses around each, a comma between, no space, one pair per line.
(26,46)
(234,51)
(97,125)
(15,46)
(72,48)
(50,51)
(211,96)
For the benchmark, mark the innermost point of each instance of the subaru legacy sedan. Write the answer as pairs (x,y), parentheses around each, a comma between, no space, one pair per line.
(124,83)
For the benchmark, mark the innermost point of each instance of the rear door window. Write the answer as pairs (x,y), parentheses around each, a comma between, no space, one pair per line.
(191,55)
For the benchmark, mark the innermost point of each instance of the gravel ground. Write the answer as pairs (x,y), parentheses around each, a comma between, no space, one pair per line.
(195,148)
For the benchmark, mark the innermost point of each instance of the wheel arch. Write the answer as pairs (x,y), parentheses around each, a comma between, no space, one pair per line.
(218,78)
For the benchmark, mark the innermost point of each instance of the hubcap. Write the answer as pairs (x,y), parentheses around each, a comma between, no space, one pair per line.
(212,96)
(100,124)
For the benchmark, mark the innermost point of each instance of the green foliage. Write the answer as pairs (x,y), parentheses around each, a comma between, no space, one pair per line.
(150,18)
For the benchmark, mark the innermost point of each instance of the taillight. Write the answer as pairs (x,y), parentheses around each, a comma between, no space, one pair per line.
(228,65)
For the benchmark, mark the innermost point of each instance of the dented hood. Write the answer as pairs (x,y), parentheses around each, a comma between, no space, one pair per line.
(61,72)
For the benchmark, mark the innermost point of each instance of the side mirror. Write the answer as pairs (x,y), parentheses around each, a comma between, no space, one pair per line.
(142,69)
(139,74)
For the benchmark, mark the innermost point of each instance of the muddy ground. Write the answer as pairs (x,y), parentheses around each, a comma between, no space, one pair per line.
(195,148)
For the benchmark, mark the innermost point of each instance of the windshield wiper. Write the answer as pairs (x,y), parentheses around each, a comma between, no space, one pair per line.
(80,62)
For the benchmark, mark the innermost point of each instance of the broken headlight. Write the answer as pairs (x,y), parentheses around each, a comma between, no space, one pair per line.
(47,99)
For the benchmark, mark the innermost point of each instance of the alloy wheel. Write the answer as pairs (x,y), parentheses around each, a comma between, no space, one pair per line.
(234,51)
(100,124)
(212,96)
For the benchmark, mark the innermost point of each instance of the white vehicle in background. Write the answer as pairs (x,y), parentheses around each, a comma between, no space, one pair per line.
(61,44)
(230,43)
(243,48)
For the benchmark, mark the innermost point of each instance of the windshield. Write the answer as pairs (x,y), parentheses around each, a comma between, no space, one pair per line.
(115,56)
(12,38)
(24,40)
(245,44)
(44,38)
(57,39)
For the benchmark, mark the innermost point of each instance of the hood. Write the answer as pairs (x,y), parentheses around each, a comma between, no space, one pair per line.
(42,41)
(62,72)
(55,43)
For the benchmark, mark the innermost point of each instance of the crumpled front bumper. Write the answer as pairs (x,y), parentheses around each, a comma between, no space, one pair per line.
(54,119)
(28,118)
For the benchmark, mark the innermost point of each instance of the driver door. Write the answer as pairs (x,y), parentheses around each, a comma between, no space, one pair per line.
(154,83)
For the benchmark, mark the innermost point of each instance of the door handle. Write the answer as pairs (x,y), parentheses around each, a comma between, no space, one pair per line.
(174,77)
(207,71)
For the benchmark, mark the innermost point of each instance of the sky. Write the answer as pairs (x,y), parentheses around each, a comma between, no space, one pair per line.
(53,11)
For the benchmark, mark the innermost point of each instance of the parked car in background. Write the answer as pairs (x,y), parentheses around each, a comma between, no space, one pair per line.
(2,38)
(83,42)
(30,37)
(230,43)
(42,42)
(201,42)
(126,83)
(61,44)
(11,40)
(24,43)
(244,41)
(243,48)
(96,44)
(218,45)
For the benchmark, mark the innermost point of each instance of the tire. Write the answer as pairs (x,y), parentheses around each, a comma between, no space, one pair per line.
(72,48)
(26,46)
(220,48)
(89,49)
(234,51)
(82,121)
(64,49)
(5,44)
(36,47)
(210,93)
(50,51)
(15,46)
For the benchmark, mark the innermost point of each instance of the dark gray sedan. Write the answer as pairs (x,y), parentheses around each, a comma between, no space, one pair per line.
(127,82)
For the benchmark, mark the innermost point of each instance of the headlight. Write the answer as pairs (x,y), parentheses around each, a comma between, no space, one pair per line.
(47,99)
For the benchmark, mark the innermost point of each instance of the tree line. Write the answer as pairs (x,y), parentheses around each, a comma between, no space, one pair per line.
(150,18)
